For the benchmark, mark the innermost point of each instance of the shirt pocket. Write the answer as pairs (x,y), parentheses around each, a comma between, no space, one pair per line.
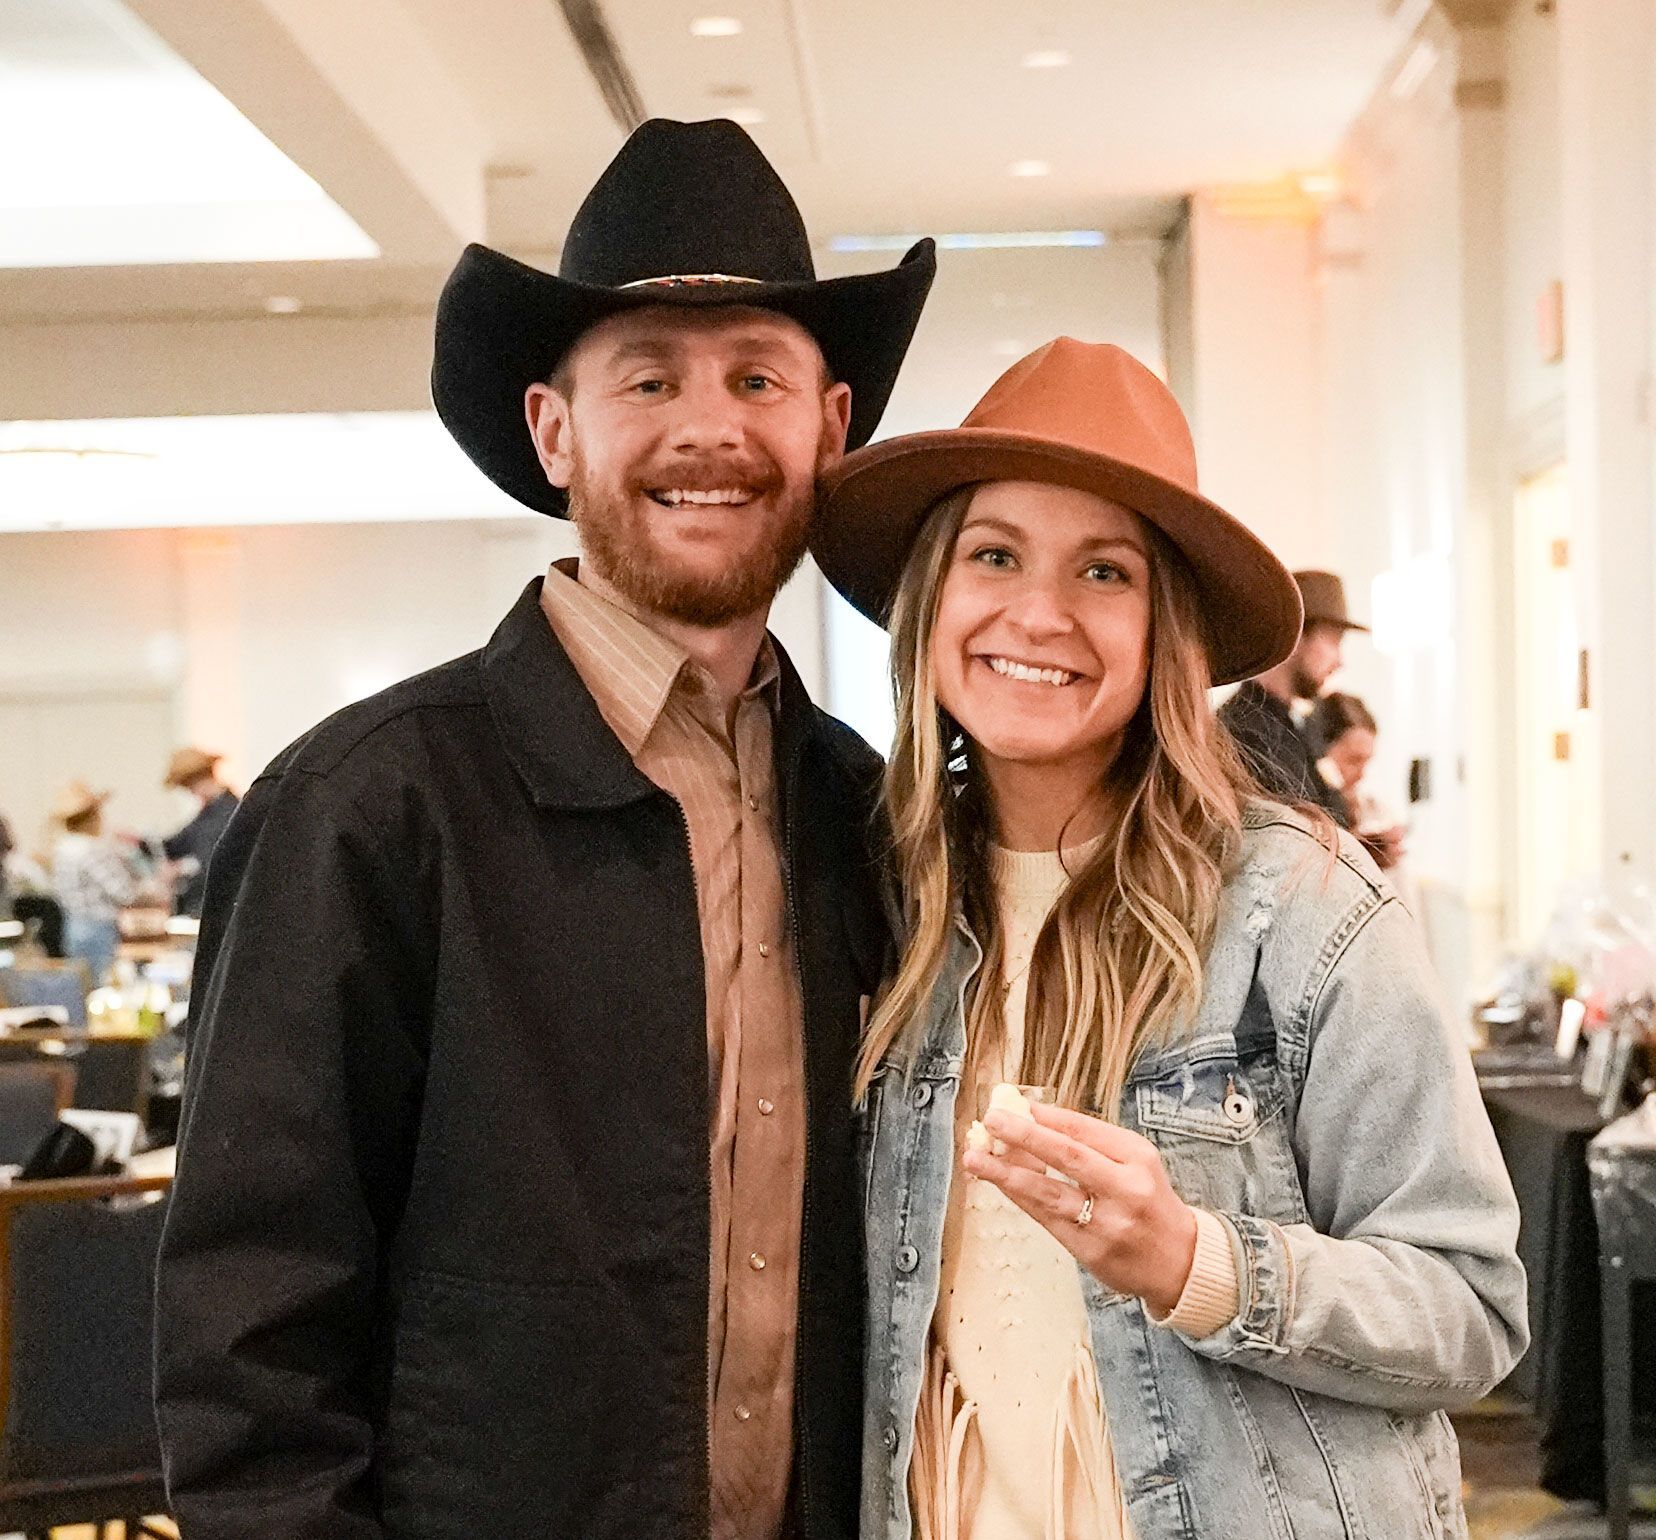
(1222,1130)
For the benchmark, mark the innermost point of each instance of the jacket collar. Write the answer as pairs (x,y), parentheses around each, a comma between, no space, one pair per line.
(557,739)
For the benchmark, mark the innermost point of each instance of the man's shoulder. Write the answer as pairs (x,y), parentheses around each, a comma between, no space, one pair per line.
(856,757)
(382,721)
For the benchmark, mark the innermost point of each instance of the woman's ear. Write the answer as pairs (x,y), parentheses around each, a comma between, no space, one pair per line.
(547,411)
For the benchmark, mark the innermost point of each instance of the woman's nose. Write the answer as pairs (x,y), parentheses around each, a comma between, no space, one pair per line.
(1040,613)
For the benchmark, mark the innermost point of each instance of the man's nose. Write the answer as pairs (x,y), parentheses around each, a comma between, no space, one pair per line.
(707,417)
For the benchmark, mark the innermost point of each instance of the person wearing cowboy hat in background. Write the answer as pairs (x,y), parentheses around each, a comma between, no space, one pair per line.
(92,878)
(194,773)
(517,1185)
(1260,715)
(1227,1276)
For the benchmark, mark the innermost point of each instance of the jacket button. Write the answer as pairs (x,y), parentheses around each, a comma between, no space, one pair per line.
(889,1438)
(921,1095)
(907,1259)
(766,1106)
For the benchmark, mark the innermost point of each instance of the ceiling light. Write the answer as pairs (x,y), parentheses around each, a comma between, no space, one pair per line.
(715,26)
(1029,168)
(1320,185)
(746,116)
(134,157)
(284,304)
(962,240)
(1046,59)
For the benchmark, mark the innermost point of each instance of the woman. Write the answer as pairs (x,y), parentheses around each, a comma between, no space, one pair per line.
(1224,1282)
(92,879)
(1342,734)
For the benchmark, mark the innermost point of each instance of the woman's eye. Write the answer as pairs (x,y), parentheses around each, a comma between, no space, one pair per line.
(992,556)
(1106,571)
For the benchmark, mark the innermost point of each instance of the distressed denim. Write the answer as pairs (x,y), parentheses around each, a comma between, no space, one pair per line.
(1322,1104)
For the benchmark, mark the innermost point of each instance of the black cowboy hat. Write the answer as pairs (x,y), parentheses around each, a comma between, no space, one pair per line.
(686,214)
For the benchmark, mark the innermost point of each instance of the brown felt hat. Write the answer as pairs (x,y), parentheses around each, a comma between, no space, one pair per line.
(187,764)
(1325,600)
(1076,414)
(76,800)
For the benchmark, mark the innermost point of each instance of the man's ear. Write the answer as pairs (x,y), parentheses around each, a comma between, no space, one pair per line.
(547,412)
(836,421)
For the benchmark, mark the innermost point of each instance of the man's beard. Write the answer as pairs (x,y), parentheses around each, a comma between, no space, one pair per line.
(1304,686)
(617,538)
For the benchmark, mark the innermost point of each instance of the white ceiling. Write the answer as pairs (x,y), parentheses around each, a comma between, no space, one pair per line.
(429,122)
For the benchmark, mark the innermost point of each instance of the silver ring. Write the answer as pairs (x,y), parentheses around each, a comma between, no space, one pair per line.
(1085,1216)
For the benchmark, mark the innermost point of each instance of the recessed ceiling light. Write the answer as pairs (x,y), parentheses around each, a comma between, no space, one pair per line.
(1029,168)
(746,116)
(715,26)
(1045,59)
(284,304)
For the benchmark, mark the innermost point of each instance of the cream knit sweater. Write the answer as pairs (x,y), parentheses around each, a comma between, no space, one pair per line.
(1011,1438)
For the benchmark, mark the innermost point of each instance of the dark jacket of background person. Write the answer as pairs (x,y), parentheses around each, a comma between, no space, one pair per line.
(1276,752)
(196,841)
(436,1265)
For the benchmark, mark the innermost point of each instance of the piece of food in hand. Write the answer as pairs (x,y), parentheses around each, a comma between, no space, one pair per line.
(1007,1098)
(978,1138)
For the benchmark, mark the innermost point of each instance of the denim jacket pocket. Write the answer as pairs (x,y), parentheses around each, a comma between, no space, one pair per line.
(1220,1125)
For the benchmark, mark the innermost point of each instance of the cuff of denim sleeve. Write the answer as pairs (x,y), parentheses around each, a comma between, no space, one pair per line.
(1211,1294)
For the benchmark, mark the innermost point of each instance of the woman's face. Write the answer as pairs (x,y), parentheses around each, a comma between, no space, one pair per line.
(1351,753)
(1042,643)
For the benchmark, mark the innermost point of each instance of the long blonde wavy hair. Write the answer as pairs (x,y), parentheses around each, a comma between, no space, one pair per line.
(1119,959)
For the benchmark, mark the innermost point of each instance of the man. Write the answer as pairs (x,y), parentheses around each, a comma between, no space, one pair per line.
(195,771)
(1260,714)
(517,1186)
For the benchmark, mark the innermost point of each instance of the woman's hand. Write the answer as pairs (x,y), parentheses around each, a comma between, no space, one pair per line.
(1141,1238)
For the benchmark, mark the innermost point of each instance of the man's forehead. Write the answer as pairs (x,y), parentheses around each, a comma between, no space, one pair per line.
(670,329)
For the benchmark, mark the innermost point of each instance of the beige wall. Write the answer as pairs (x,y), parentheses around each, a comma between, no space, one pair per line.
(257,634)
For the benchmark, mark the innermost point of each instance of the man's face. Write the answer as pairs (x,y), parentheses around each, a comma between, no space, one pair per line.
(1317,659)
(690,442)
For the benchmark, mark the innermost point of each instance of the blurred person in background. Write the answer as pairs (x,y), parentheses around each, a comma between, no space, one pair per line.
(93,878)
(1342,734)
(1260,715)
(194,772)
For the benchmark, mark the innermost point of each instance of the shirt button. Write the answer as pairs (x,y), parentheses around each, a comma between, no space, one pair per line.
(921,1095)
(907,1259)
(742,1414)
(766,1106)
(889,1438)
(753,802)
(756,1260)
(764,949)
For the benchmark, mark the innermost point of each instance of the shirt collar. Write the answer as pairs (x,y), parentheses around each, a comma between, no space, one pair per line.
(630,669)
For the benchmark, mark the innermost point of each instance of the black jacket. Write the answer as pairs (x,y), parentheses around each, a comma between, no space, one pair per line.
(437,1258)
(197,841)
(1277,753)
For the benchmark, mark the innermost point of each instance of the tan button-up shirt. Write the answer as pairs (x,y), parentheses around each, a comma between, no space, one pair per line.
(721,771)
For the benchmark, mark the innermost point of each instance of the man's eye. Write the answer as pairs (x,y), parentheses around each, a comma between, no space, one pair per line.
(757,384)
(650,387)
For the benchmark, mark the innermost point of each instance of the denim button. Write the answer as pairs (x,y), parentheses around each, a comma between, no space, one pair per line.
(889,1438)
(907,1259)
(921,1095)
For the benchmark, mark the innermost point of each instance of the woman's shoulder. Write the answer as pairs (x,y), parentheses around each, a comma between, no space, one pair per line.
(1304,861)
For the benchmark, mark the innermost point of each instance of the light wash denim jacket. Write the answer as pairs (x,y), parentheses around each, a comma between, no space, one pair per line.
(1370,1216)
